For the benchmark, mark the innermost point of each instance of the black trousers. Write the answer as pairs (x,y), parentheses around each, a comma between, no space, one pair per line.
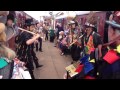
(75,52)
(29,65)
(51,38)
(35,59)
(46,38)
(65,50)
(31,73)
(40,43)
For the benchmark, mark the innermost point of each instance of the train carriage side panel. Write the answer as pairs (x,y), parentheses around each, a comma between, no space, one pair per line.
(100,22)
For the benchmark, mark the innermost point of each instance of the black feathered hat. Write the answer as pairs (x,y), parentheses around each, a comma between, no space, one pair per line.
(29,22)
(91,20)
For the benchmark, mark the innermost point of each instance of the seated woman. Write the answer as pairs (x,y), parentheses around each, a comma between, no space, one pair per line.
(7,56)
(65,45)
(61,36)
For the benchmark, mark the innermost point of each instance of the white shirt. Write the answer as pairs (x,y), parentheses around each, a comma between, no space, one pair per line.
(40,29)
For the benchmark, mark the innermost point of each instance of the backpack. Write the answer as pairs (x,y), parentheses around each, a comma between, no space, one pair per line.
(6,70)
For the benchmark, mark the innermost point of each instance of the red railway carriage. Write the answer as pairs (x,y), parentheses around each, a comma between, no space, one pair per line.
(81,19)
(101,18)
(20,17)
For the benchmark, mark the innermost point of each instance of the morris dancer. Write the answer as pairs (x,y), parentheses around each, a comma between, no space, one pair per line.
(92,44)
(75,49)
(25,50)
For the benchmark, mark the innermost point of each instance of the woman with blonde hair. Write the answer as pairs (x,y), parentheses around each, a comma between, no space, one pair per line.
(6,56)
(8,60)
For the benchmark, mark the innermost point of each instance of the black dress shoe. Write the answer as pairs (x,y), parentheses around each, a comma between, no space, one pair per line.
(39,66)
(40,50)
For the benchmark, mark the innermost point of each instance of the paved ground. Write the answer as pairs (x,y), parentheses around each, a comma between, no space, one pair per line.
(54,63)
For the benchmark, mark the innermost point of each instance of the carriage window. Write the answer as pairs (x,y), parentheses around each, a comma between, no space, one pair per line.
(98,22)
(81,22)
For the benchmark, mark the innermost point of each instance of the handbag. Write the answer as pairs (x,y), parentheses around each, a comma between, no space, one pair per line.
(16,73)
(21,74)
(6,68)
(25,74)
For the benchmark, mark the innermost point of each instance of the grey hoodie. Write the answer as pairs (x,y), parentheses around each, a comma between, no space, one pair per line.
(3,16)
(3,19)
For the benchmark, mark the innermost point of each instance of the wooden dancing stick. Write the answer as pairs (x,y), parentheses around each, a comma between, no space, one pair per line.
(26,30)
(73,43)
(81,36)
(112,41)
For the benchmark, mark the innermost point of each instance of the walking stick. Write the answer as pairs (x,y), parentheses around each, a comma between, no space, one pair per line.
(112,41)
(26,30)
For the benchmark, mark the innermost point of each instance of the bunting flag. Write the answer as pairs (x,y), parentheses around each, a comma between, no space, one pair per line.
(3,63)
(118,48)
(87,65)
(111,56)
(79,68)
(89,77)
(92,61)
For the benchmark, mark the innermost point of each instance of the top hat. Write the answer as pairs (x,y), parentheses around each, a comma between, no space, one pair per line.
(29,22)
(91,20)
(11,16)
